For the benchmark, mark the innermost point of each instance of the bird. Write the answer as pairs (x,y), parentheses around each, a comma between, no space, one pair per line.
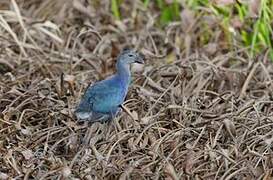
(103,100)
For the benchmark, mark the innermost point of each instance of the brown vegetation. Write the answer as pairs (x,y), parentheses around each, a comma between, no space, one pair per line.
(192,112)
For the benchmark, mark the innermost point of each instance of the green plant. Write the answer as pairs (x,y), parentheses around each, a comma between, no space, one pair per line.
(262,34)
(115,8)
(168,11)
(195,4)
(255,33)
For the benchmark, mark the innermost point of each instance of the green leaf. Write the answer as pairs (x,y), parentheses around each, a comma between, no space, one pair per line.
(146,3)
(115,9)
(175,7)
(166,16)
(241,11)
(245,37)
(160,3)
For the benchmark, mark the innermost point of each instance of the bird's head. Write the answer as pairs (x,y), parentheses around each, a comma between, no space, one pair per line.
(129,56)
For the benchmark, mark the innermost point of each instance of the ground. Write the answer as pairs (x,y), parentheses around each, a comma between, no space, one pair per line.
(193,111)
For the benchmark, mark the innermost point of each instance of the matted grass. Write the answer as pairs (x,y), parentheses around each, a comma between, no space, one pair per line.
(192,112)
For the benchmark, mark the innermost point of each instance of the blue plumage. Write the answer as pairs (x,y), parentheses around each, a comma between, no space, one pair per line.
(101,101)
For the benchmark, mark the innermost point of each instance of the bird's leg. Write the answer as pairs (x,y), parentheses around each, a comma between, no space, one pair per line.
(127,111)
(95,127)
(109,122)
(107,129)
(116,125)
(87,136)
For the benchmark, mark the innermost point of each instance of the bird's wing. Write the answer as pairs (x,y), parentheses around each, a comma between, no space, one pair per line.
(100,96)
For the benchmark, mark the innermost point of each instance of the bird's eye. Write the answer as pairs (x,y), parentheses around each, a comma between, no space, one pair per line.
(130,55)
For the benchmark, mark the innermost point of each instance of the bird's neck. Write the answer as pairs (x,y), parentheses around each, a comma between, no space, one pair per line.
(123,71)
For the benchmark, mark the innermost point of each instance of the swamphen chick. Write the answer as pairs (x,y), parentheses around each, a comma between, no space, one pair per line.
(102,100)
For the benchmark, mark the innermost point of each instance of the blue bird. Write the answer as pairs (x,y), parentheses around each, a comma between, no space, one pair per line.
(102,100)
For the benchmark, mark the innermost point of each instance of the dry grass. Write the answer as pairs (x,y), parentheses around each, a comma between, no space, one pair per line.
(193,112)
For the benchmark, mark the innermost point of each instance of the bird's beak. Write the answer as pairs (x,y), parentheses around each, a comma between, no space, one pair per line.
(140,59)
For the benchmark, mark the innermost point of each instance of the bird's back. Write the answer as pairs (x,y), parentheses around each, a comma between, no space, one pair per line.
(102,100)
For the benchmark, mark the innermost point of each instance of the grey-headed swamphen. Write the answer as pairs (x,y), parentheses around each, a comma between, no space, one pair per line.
(102,100)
